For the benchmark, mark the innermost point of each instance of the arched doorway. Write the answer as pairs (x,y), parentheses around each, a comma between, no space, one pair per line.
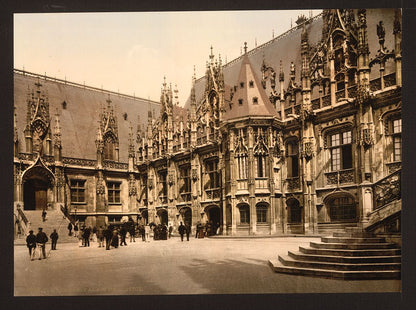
(163,216)
(186,215)
(38,181)
(294,211)
(214,217)
(35,194)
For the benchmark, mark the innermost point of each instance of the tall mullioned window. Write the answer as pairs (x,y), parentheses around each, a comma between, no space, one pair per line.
(242,166)
(212,170)
(244,214)
(77,191)
(397,139)
(261,213)
(113,192)
(292,159)
(340,148)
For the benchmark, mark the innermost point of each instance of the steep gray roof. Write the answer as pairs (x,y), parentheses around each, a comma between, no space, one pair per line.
(79,120)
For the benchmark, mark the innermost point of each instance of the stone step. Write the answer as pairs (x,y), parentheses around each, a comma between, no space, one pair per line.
(344,252)
(54,220)
(345,259)
(352,240)
(288,261)
(353,246)
(277,266)
(353,234)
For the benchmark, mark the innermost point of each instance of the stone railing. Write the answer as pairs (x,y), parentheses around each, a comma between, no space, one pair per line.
(387,189)
(242,184)
(115,165)
(293,183)
(375,84)
(352,91)
(394,166)
(326,101)
(341,176)
(79,162)
(261,183)
(316,104)
(213,193)
(390,80)
(340,94)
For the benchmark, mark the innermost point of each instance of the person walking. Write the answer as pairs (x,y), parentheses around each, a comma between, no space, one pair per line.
(107,235)
(43,215)
(114,238)
(181,230)
(123,233)
(187,231)
(147,232)
(100,236)
(132,231)
(54,238)
(86,235)
(69,229)
(170,230)
(41,239)
(142,232)
(76,229)
(31,244)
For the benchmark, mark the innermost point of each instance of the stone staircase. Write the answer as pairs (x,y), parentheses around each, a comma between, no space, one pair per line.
(348,255)
(54,220)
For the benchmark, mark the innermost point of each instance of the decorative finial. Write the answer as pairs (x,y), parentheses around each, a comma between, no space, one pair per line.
(245,47)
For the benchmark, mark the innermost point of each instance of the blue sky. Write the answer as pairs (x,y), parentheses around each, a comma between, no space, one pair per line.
(132,52)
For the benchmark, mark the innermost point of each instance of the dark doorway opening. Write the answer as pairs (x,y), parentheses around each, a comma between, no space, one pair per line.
(35,194)
(214,218)
(187,216)
(163,216)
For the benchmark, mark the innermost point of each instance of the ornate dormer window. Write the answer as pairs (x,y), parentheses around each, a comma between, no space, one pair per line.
(109,131)
(109,147)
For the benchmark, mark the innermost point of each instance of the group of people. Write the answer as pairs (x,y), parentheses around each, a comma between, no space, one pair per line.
(38,243)
(113,235)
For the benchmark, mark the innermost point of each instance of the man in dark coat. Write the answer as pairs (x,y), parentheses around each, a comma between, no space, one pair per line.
(170,230)
(43,215)
(142,232)
(70,229)
(187,231)
(114,238)
(41,239)
(123,233)
(31,244)
(54,238)
(107,235)
(86,235)
(181,230)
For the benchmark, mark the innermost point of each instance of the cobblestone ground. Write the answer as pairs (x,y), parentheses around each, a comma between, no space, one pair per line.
(200,266)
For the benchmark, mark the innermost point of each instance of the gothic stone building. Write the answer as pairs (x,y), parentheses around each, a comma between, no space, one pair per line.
(299,135)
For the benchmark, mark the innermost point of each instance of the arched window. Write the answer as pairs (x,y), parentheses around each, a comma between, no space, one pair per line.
(244,214)
(341,208)
(262,214)
(294,211)
(292,159)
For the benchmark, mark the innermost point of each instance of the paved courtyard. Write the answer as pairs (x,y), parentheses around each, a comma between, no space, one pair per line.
(200,266)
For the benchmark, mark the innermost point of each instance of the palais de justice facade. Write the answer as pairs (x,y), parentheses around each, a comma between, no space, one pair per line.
(299,135)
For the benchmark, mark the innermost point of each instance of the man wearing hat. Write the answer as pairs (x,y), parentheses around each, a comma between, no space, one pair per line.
(41,239)
(31,244)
